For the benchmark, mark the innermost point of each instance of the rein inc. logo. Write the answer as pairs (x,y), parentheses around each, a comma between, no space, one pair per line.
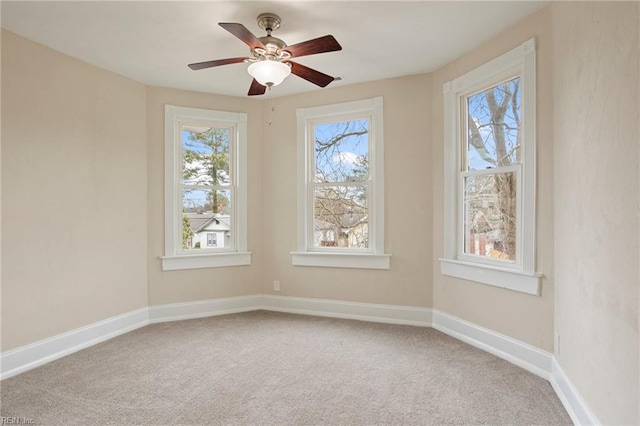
(14,420)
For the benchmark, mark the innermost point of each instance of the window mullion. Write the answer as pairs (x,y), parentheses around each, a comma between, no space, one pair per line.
(491,171)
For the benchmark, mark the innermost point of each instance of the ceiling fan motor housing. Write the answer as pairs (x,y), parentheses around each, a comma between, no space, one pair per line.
(269,22)
(273,44)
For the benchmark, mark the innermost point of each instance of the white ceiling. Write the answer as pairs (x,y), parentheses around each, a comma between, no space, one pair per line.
(152,42)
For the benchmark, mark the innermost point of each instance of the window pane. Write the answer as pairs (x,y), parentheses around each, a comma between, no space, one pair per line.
(342,151)
(206,219)
(490,215)
(493,126)
(341,217)
(205,155)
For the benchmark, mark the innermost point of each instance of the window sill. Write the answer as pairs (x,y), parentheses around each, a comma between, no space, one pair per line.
(209,260)
(499,277)
(341,260)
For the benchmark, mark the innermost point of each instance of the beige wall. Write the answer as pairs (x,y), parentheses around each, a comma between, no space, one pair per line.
(74,225)
(524,317)
(200,284)
(83,199)
(0,196)
(407,197)
(596,136)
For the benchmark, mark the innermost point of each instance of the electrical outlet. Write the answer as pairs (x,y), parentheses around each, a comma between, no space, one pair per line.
(556,342)
(276,285)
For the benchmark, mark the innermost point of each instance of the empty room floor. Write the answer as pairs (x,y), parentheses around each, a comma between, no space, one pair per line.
(264,368)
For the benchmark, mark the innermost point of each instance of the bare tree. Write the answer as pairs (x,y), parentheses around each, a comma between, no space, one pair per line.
(340,198)
(494,142)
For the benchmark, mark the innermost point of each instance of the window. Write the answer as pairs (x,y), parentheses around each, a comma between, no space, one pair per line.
(490,173)
(205,188)
(340,186)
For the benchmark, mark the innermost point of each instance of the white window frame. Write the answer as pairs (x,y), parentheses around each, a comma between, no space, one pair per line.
(307,255)
(175,258)
(519,275)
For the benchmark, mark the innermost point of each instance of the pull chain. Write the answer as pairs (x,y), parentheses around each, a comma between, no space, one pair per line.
(271,107)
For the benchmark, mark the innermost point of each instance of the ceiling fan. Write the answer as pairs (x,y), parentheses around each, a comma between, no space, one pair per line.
(270,60)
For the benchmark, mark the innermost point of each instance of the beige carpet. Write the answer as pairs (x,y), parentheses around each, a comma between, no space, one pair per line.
(265,368)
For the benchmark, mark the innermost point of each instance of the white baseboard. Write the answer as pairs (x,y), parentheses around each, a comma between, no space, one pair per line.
(390,314)
(528,357)
(38,353)
(204,308)
(573,402)
(33,355)
(516,352)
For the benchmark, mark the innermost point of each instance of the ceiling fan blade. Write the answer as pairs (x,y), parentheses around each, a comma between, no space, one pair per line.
(309,74)
(311,47)
(256,88)
(216,63)
(243,34)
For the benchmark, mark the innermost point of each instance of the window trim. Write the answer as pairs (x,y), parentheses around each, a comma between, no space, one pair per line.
(175,259)
(374,257)
(521,276)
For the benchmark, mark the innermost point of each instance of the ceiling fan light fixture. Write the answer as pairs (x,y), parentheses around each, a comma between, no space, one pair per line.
(268,72)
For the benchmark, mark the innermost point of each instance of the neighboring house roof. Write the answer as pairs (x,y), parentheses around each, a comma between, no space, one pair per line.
(349,220)
(208,221)
(363,221)
(346,221)
(217,223)
(196,220)
(321,225)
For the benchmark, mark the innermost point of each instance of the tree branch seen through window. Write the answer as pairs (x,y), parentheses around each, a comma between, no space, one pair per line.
(341,184)
(490,199)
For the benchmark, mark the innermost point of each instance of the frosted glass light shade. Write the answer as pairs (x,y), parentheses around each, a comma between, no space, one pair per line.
(269,73)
